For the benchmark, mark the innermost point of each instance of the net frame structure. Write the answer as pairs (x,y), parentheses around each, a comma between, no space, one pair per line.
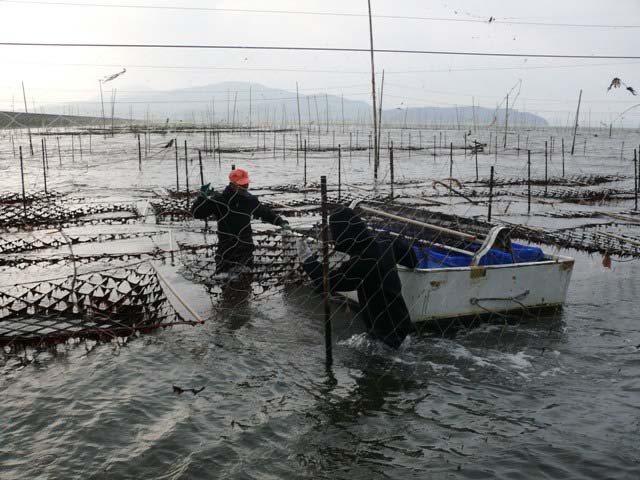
(99,305)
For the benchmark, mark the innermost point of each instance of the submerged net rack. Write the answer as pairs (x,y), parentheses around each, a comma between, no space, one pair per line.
(50,214)
(570,180)
(171,209)
(118,301)
(16,197)
(578,238)
(17,244)
(275,265)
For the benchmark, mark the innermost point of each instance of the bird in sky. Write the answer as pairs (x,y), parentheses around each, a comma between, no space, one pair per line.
(616,83)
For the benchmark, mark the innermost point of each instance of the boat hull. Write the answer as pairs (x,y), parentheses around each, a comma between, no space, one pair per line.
(445,293)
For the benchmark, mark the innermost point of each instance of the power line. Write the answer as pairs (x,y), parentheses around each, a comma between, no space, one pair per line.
(306,70)
(311,49)
(494,21)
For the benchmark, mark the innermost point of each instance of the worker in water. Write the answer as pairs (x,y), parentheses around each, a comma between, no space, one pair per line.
(233,210)
(370,270)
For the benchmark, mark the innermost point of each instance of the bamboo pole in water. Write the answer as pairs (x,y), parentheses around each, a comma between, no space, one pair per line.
(177,167)
(376,150)
(186,172)
(339,172)
(391,172)
(24,95)
(24,197)
(44,168)
(546,169)
(635,175)
(490,194)
(325,274)
(529,181)
(575,128)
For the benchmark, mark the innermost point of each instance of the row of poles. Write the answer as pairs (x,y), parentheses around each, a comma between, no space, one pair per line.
(215,136)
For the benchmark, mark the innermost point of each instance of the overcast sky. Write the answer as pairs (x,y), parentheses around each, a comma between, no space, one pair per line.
(549,86)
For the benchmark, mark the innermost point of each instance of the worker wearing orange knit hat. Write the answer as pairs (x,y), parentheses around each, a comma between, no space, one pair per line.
(233,209)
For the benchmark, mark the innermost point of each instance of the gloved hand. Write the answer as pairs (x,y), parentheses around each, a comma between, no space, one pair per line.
(205,190)
(286,227)
(304,252)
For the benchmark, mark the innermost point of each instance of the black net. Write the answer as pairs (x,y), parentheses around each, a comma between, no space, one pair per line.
(100,305)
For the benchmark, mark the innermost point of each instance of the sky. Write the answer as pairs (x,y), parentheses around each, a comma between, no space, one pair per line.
(57,76)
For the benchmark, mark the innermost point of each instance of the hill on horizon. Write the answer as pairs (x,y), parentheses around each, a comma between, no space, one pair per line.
(242,103)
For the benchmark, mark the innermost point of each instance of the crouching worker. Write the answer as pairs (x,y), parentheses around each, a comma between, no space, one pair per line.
(371,271)
(233,209)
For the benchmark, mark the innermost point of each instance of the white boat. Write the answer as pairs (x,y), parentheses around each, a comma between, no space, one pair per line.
(433,294)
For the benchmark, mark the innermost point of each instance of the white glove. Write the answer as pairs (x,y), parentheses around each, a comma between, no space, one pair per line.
(304,252)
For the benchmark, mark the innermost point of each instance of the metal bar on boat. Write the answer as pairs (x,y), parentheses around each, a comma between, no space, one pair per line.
(453,233)
(430,244)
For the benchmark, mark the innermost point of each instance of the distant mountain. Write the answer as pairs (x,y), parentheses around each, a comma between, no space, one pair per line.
(459,116)
(241,103)
(39,120)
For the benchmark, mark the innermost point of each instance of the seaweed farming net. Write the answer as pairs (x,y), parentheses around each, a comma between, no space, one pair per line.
(118,301)
(48,214)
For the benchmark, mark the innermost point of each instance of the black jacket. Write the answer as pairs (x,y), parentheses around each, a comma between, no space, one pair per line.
(233,210)
(371,270)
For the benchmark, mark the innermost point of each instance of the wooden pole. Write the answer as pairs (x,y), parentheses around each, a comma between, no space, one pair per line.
(299,117)
(46,152)
(44,167)
(305,163)
(206,222)
(635,175)
(339,171)
(59,152)
(24,95)
(476,164)
(186,172)
(342,102)
(506,122)
(376,151)
(562,157)
(490,194)
(177,167)
(546,169)
(575,128)
(200,164)
(380,114)
(326,287)
(529,181)
(139,154)
(391,169)
(24,197)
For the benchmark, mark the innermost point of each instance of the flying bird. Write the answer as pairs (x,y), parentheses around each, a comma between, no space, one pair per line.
(616,83)
(170,144)
(114,76)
